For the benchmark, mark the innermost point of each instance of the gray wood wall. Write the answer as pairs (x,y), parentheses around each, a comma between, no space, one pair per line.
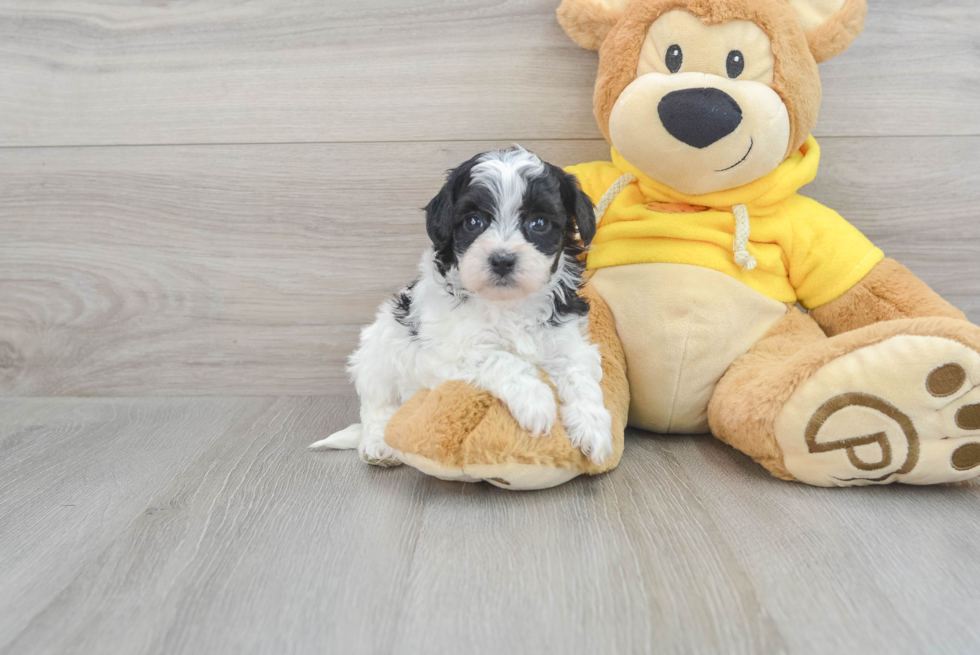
(212,197)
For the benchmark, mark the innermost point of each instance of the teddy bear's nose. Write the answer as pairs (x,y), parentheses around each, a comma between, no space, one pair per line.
(699,117)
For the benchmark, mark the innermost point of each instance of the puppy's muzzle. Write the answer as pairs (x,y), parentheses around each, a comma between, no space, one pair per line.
(502,263)
(699,117)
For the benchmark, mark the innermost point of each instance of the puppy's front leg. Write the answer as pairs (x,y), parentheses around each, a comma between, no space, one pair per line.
(374,420)
(576,369)
(374,367)
(519,385)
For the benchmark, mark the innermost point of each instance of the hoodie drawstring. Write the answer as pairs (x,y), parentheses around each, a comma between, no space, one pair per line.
(741,243)
(743,229)
(607,198)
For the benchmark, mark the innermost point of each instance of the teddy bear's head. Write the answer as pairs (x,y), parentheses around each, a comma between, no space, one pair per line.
(708,95)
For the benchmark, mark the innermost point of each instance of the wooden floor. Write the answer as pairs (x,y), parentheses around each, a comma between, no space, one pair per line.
(202,202)
(204,526)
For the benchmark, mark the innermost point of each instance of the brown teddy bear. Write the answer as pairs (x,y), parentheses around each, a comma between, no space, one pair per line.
(703,251)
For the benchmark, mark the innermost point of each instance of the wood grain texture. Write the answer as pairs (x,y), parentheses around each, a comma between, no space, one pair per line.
(916,198)
(74,475)
(851,562)
(249,269)
(248,543)
(226,71)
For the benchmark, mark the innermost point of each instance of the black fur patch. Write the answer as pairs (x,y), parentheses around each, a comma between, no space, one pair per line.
(445,256)
(565,301)
(442,216)
(577,203)
(402,308)
(542,202)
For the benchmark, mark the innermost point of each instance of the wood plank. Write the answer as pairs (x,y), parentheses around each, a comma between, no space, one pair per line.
(94,72)
(74,474)
(253,544)
(249,269)
(873,570)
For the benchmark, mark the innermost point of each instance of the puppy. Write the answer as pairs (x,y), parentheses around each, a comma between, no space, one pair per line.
(495,304)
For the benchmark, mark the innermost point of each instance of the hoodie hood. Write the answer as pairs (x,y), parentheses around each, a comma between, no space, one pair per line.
(785,181)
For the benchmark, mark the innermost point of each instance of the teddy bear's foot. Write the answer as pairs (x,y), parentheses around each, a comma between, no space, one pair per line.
(906,409)
(460,433)
(513,476)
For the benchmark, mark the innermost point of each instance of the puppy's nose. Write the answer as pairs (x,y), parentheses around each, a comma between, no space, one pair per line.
(502,263)
(699,117)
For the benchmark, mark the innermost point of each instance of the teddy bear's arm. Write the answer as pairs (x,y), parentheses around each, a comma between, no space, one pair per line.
(890,291)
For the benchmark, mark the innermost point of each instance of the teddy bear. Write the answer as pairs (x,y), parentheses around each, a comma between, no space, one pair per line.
(704,255)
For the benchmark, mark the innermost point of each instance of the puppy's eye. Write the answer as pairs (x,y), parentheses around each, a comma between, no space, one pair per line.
(735,64)
(539,225)
(674,58)
(475,223)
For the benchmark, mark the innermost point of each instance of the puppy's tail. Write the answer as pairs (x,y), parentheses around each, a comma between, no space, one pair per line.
(346,439)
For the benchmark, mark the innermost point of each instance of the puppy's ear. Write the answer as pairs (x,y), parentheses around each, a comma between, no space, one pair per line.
(830,25)
(439,216)
(577,204)
(439,211)
(588,22)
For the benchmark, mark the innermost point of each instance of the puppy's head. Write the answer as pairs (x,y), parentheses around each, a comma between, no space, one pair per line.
(504,220)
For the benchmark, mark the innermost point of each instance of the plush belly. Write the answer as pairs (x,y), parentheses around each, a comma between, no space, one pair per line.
(681,326)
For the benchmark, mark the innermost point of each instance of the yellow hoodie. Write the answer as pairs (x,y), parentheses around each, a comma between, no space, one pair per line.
(805,252)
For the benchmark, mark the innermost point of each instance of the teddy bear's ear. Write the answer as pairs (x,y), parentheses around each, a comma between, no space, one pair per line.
(588,22)
(830,25)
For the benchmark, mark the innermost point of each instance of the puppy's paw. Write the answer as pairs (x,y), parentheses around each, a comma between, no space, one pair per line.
(589,427)
(376,452)
(534,408)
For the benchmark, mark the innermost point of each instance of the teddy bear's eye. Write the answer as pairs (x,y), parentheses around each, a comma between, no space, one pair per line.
(674,58)
(735,64)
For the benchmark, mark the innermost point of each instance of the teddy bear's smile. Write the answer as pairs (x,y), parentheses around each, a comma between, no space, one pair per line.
(749,152)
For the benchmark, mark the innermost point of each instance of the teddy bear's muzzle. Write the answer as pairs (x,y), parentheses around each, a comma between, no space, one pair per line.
(699,117)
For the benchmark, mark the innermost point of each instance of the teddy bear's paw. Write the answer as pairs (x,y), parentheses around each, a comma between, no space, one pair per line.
(533,407)
(589,427)
(906,409)
(376,452)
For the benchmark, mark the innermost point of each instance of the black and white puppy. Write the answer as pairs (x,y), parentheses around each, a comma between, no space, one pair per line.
(495,303)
